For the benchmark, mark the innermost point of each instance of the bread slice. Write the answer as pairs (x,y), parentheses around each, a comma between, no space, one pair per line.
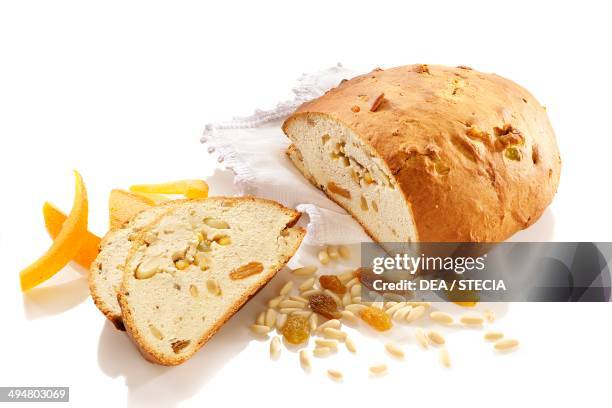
(429,153)
(106,271)
(194,267)
(123,205)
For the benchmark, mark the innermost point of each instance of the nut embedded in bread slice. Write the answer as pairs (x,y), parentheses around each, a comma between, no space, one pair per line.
(196,265)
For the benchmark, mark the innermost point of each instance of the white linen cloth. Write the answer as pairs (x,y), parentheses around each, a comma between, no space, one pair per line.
(253,148)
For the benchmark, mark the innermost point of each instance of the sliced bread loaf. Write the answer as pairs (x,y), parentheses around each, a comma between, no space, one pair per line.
(196,265)
(429,153)
(106,271)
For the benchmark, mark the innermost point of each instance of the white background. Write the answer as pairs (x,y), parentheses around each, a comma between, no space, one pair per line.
(122,90)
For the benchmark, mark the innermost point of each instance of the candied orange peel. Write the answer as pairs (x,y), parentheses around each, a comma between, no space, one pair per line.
(188,188)
(65,246)
(54,221)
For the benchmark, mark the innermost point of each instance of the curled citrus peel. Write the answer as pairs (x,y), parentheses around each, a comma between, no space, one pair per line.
(66,244)
(189,188)
(54,221)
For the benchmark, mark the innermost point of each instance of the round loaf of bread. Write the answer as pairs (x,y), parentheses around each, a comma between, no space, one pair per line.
(429,153)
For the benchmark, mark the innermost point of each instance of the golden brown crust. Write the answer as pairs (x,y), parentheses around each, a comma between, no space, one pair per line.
(128,320)
(451,137)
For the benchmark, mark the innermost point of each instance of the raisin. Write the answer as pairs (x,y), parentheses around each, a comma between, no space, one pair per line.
(296,329)
(324,305)
(333,283)
(376,318)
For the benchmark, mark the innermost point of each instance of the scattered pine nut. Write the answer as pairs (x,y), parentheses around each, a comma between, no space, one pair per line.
(303,313)
(289,310)
(304,360)
(333,296)
(402,313)
(321,351)
(275,347)
(291,303)
(259,329)
(470,320)
(344,252)
(307,284)
(298,298)
(333,323)
(274,302)
(416,313)
(356,308)
(347,277)
(270,319)
(346,299)
(261,319)
(281,319)
(493,336)
(350,345)
(441,318)
(357,299)
(435,337)
(349,317)
(335,375)
(445,357)
(379,369)
(421,338)
(394,350)
(352,281)
(330,343)
(313,322)
(355,290)
(286,288)
(323,257)
(332,333)
(506,344)
(311,292)
(305,271)
(332,251)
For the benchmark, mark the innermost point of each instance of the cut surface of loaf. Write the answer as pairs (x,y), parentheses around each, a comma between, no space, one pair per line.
(196,265)
(106,271)
(429,153)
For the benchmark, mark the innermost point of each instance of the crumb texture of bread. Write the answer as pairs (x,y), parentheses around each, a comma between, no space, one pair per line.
(106,271)
(196,265)
(429,153)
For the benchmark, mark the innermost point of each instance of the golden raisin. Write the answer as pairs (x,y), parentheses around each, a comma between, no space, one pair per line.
(333,283)
(376,318)
(296,329)
(324,305)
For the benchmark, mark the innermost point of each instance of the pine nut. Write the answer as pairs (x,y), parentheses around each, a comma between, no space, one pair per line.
(270,319)
(350,345)
(323,257)
(304,360)
(378,369)
(356,299)
(349,317)
(332,251)
(421,338)
(213,287)
(291,303)
(321,351)
(444,357)
(307,284)
(356,308)
(441,318)
(333,323)
(304,313)
(286,288)
(290,310)
(261,319)
(274,302)
(333,296)
(259,329)
(332,344)
(298,298)
(356,290)
(155,332)
(334,375)
(394,350)
(435,337)
(506,344)
(281,319)
(471,320)
(392,309)
(352,281)
(313,321)
(305,271)
(275,347)
(344,251)
(346,299)
(311,292)
(402,314)
(415,314)
(489,315)
(216,223)
(332,333)
(493,336)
